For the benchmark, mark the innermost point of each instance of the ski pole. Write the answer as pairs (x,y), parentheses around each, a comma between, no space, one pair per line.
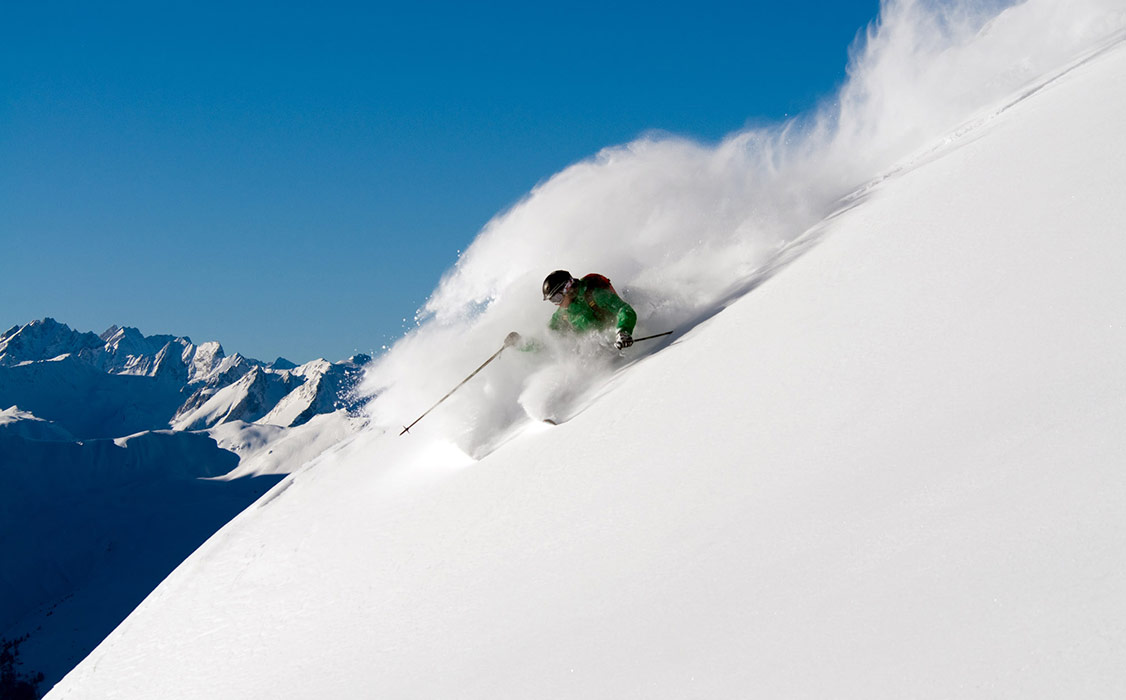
(510,340)
(650,337)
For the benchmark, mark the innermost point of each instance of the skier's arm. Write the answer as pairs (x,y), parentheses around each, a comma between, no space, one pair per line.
(523,343)
(556,322)
(627,317)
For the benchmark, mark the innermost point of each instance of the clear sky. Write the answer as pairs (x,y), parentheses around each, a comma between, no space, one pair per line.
(293,178)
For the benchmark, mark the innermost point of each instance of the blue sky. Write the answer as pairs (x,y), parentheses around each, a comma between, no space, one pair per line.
(293,179)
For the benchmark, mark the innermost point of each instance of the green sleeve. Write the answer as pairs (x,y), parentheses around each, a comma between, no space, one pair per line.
(627,317)
(530,345)
(556,322)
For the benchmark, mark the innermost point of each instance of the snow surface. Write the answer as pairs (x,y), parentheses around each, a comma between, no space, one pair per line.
(266,449)
(27,425)
(89,528)
(889,463)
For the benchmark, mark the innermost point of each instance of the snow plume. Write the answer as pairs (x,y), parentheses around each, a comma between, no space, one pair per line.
(681,227)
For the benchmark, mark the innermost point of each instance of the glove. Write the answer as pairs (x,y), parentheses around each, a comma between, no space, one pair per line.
(513,338)
(624,340)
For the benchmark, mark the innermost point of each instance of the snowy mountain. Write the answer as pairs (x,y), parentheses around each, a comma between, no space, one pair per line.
(885,462)
(122,453)
(124,382)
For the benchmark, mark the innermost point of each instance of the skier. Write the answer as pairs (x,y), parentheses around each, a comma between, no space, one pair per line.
(588,304)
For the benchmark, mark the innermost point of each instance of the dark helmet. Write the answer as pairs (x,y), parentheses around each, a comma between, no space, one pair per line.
(556,283)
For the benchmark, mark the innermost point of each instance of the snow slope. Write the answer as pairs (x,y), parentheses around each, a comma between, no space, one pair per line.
(894,468)
(26,425)
(89,528)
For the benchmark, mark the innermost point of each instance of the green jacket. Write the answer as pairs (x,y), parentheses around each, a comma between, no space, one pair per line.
(593,308)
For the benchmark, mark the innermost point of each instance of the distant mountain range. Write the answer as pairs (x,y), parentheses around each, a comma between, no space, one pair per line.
(123,382)
(121,453)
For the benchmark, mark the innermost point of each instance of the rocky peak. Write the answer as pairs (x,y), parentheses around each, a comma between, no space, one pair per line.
(43,340)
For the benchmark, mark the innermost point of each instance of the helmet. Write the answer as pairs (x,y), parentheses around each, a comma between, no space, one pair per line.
(556,283)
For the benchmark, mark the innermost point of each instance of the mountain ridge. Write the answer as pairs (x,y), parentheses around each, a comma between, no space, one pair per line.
(185,376)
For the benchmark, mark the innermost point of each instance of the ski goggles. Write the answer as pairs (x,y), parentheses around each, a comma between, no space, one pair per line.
(557,295)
